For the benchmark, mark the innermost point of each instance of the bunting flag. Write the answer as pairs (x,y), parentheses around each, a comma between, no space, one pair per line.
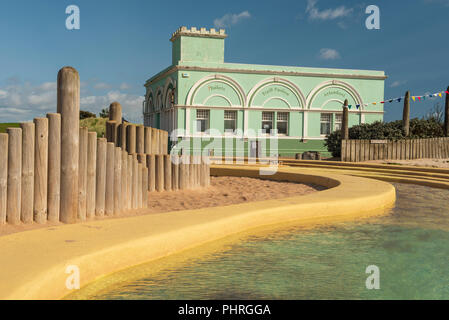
(414,98)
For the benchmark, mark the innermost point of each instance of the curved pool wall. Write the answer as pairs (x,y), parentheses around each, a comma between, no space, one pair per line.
(409,246)
(34,263)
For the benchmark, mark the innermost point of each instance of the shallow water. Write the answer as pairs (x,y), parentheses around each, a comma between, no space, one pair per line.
(410,246)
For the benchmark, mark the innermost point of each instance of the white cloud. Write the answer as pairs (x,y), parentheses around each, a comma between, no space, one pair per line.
(329,54)
(102,85)
(397,83)
(124,86)
(230,19)
(24,101)
(327,14)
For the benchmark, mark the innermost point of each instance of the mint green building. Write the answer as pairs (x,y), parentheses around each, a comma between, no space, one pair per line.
(236,105)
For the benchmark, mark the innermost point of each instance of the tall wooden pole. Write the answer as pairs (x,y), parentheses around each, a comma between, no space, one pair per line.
(129,182)
(145,187)
(345,121)
(131,138)
(27,188)
(406,114)
(160,173)
(446,114)
(82,182)
(124,194)
(100,192)
(54,166)
(115,112)
(117,181)
(110,163)
(151,160)
(134,190)
(147,140)
(167,173)
(14,175)
(41,170)
(91,174)
(3,176)
(140,139)
(68,102)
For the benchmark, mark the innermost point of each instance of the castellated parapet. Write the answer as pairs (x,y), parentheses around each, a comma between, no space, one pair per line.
(201,32)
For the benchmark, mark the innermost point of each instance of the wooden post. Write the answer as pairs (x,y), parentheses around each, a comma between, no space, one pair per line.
(124,192)
(3,176)
(145,187)
(122,135)
(111,131)
(140,139)
(155,141)
(134,192)
(446,114)
(147,140)
(129,182)
(117,180)
(54,166)
(164,142)
(183,172)
(208,171)
(406,114)
(131,138)
(175,172)
(27,188)
(142,158)
(110,164)
(139,185)
(82,180)
(151,160)
(14,175)
(91,174)
(100,192)
(159,173)
(345,121)
(41,170)
(203,171)
(68,98)
(343,149)
(115,112)
(167,173)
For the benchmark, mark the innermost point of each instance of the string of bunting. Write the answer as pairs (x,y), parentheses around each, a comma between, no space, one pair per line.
(414,98)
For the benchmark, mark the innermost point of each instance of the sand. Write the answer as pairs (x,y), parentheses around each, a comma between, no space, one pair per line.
(434,163)
(223,191)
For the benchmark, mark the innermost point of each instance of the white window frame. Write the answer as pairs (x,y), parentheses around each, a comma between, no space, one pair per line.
(328,114)
(286,122)
(207,111)
(272,120)
(234,112)
(340,122)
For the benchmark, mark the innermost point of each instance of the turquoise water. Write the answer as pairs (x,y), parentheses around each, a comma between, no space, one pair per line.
(410,246)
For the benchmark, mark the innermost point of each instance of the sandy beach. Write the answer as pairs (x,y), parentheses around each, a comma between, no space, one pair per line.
(223,191)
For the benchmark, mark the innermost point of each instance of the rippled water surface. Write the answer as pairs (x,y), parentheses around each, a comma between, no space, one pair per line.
(410,246)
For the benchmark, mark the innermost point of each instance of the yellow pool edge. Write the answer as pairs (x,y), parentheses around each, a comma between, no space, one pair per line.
(34,263)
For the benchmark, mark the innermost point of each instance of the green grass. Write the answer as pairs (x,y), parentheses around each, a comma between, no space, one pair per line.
(95,124)
(4,126)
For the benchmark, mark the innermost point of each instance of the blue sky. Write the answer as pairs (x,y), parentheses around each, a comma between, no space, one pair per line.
(122,43)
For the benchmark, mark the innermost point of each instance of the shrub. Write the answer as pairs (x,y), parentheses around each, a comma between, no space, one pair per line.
(86,114)
(419,128)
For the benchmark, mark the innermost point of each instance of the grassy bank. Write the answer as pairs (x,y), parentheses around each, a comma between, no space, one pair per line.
(95,124)
(4,126)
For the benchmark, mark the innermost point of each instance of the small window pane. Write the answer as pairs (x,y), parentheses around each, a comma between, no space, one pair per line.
(202,120)
(325,123)
(267,121)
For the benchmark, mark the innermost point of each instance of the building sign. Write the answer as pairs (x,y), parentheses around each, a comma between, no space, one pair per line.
(276,90)
(335,92)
